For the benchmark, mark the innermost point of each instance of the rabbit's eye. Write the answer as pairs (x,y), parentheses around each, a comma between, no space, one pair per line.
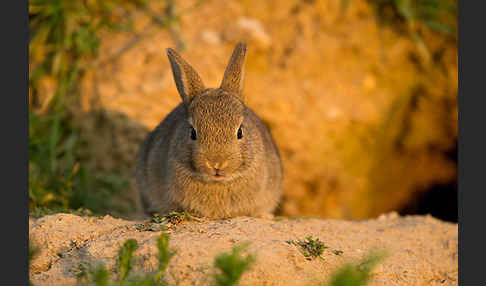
(193,133)
(240,133)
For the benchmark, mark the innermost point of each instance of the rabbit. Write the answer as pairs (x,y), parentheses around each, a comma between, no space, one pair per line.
(211,156)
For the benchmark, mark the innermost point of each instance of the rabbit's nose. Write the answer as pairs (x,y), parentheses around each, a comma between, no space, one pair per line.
(218,165)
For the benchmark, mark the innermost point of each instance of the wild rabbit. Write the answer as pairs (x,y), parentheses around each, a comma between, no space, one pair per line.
(211,156)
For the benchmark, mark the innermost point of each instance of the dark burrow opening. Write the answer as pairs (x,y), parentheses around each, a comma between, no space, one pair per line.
(439,200)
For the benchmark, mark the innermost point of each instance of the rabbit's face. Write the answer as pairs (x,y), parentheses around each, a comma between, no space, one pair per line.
(217,135)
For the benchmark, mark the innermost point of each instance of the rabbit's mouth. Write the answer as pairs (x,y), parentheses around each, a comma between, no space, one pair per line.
(218,176)
(214,178)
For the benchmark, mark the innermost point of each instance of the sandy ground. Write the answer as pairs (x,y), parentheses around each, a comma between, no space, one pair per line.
(421,249)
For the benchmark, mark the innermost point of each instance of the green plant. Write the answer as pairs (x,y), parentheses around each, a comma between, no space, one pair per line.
(57,178)
(100,276)
(164,255)
(125,261)
(356,274)
(309,247)
(64,39)
(231,266)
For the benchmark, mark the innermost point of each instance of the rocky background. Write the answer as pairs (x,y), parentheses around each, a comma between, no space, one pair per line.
(364,114)
(360,96)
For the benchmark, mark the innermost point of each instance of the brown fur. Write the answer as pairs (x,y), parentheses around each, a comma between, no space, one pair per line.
(176,173)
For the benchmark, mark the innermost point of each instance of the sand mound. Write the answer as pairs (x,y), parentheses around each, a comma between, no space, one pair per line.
(421,249)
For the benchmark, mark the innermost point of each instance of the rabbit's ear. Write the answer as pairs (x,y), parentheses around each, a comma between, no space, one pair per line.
(234,75)
(186,78)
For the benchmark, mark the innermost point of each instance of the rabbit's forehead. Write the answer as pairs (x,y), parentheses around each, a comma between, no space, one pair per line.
(216,109)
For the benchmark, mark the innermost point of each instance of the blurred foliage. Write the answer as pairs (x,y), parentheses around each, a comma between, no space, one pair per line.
(64,40)
(415,15)
(100,276)
(57,178)
(437,15)
(125,259)
(37,212)
(64,35)
(231,266)
(356,274)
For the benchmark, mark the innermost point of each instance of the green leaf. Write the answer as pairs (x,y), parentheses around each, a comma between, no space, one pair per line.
(356,274)
(231,266)
(125,261)
(101,276)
